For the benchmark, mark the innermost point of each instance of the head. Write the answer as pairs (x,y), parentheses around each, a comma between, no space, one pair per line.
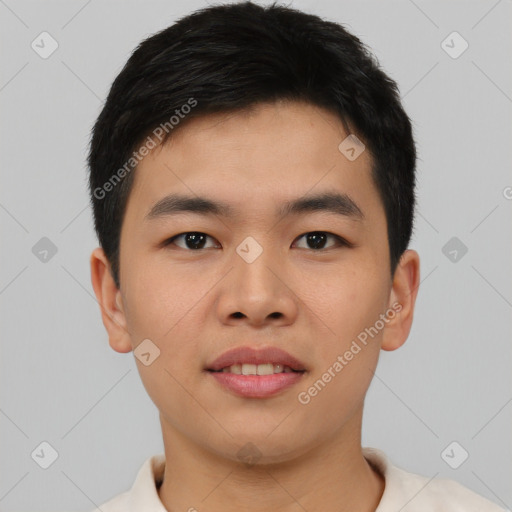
(245,110)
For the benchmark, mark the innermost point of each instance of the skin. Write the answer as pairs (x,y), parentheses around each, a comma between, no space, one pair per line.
(186,301)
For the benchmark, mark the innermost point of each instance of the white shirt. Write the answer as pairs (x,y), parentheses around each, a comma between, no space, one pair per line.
(404,491)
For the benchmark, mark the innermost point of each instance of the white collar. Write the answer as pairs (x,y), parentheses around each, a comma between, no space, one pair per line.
(404,491)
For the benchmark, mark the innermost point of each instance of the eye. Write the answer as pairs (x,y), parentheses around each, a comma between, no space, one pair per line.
(193,240)
(316,239)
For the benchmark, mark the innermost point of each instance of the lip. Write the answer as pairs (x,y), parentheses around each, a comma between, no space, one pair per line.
(257,386)
(240,355)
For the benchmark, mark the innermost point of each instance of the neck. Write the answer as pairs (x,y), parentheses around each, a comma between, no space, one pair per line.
(331,476)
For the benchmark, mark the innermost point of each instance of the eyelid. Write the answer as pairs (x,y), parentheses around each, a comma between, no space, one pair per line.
(343,242)
(170,240)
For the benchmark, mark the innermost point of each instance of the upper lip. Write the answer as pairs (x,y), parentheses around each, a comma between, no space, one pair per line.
(249,355)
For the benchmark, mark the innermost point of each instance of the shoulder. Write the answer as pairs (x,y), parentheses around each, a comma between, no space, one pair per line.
(410,492)
(143,494)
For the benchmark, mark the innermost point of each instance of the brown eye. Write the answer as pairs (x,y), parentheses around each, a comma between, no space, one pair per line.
(192,240)
(317,240)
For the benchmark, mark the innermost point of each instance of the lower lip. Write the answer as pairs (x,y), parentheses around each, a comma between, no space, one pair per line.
(257,386)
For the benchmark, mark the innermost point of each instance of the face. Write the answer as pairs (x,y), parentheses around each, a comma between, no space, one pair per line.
(308,280)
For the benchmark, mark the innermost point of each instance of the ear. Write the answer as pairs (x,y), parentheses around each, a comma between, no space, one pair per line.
(110,301)
(402,299)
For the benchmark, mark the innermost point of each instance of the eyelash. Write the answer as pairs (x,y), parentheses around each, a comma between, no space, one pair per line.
(341,241)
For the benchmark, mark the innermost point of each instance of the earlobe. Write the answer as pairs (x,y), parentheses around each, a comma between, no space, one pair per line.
(402,300)
(110,301)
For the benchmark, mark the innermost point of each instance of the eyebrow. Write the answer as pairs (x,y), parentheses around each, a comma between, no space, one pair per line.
(337,203)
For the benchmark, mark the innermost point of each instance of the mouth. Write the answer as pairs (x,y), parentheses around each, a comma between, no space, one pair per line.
(252,373)
(256,369)
(250,361)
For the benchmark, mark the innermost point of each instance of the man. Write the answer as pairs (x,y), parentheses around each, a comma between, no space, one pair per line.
(252,179)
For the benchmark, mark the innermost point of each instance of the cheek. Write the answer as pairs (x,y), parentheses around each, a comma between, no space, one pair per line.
(155,302)
(163,309)
(349,302)
(163,313)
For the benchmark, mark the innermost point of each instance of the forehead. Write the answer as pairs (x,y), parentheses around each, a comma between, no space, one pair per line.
(253,161)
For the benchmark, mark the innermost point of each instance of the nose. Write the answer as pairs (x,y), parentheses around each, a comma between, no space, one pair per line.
(257,293)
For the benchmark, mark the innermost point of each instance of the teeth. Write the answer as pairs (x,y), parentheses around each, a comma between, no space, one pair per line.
(257,369)
(249,369)
(236,368)
(265,369)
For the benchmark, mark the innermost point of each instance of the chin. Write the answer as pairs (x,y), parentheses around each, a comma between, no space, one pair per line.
(263,448)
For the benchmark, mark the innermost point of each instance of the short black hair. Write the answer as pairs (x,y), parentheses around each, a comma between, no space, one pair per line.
(231,57)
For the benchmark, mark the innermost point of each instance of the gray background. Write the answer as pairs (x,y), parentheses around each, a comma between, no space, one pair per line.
(61,382)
